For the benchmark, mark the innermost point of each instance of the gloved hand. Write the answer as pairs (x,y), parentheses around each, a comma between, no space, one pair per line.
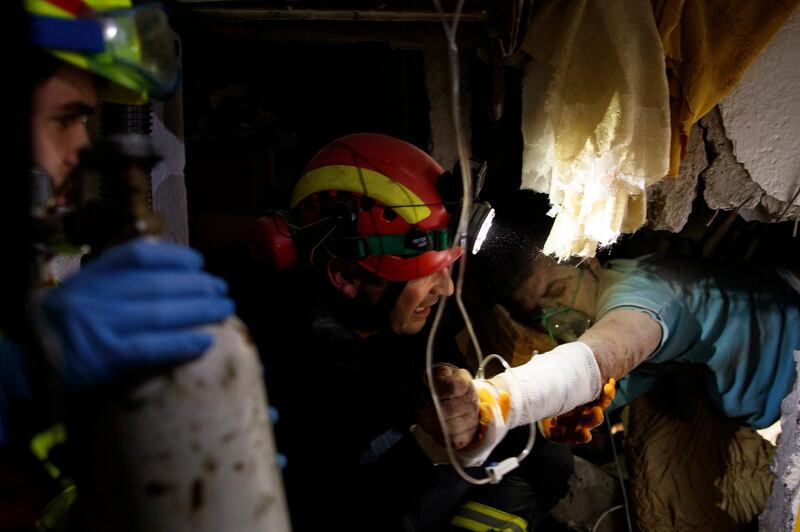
(137,305)
(494,410)
(575,426)
(459,403)
(464,399)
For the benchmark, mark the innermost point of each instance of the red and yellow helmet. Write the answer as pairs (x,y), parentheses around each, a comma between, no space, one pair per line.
(382,191)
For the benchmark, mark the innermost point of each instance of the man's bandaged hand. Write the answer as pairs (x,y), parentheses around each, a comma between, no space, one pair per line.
(458,400)
(575,426)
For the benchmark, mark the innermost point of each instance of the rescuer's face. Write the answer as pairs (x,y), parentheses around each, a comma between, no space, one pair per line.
(413,306)
(61,105)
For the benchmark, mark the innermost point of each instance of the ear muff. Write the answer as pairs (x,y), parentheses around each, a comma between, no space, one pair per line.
(275,243)
(271,242)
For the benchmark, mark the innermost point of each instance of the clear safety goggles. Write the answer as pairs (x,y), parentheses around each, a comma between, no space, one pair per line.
(134,47)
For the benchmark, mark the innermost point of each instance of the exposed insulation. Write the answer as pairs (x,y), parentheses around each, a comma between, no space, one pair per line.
(595,119)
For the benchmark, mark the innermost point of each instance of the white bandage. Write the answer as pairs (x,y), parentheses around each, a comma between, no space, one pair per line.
(553,383)
(494,430)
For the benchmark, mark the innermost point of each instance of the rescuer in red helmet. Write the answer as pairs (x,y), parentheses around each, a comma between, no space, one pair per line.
(372,234)
(378,223)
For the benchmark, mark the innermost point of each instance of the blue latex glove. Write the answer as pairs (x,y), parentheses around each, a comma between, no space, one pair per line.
(135,306)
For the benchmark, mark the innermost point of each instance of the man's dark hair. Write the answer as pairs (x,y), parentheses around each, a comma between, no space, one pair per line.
(507,257)
(16,197)
(42,66)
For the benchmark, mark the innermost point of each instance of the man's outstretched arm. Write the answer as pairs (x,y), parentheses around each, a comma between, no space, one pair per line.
(570,375)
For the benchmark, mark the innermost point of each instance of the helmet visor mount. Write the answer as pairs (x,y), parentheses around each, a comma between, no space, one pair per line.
(135,48)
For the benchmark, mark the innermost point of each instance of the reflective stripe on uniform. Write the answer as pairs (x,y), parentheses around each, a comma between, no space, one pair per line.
(43,442)
(481,518)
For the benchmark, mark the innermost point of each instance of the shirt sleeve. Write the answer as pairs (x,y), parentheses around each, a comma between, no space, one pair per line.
(629,285)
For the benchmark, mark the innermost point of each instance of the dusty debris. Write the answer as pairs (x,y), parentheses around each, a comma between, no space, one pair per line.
(728,184)
(669,202)
(784,500)
(592,492)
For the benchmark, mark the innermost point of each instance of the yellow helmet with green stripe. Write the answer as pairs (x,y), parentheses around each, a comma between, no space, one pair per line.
(133,47)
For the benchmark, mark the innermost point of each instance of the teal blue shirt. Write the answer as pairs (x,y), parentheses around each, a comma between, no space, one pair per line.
(744,325)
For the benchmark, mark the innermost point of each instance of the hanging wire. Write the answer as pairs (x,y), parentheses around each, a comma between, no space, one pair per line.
(604,515)
(312,224)
(789,206)
(461,233)
(464,162)
(619,474)
(318,244)
(466,179)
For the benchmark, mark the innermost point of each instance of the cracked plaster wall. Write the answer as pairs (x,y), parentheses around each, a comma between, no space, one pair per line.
(747,150)
(762,115)
(728,185)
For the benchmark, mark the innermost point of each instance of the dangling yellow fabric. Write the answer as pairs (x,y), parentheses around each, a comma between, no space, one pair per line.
(708,45)
(596,122)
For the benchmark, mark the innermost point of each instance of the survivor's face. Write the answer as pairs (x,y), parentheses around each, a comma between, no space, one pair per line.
(413,306)
(555,285)
(61,105)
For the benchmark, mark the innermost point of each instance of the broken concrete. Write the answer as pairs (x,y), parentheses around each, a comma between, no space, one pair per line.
(782,504)
(728,184)
(762,116)
(669,202)
(592,492)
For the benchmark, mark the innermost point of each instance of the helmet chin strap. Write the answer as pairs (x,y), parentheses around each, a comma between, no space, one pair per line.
(388,300)
(374,317)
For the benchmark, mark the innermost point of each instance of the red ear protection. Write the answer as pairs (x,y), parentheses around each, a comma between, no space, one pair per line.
(271,242)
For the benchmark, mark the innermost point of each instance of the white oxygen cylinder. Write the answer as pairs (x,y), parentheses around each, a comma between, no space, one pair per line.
(191,449)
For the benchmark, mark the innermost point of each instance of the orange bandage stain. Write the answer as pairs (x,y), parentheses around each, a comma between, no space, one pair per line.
(486,406)
(575,426)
